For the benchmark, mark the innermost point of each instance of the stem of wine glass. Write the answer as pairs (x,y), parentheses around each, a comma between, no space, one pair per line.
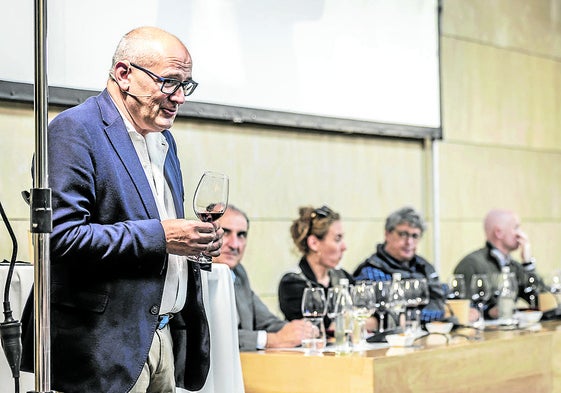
(362,331)
(481,321)
(381,321)
(204,259)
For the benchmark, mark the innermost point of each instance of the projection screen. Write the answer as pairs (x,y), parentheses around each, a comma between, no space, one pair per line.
(354,66)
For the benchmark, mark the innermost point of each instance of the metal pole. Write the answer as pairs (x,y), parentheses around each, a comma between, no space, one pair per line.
(436,205)
(41,220)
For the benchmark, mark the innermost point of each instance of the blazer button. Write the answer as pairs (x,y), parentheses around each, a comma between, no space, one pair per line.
(155,310)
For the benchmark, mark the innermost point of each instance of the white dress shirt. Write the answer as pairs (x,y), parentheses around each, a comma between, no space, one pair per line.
(152,150)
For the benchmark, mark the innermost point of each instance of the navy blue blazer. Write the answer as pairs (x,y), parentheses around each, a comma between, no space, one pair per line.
(108,254)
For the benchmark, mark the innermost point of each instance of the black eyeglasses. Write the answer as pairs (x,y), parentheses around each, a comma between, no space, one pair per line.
(404,235)
(169,85)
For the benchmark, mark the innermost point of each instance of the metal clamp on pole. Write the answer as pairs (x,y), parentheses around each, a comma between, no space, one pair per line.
(41,210)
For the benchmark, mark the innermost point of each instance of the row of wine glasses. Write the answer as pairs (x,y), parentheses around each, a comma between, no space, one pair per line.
(457,287)
(480,289)
(381,297)
(315,305)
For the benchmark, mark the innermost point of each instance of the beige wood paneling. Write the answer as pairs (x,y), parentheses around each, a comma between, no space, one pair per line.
(274,172)
(458,239)
(475,179)
(501,91)
(527,26)
(17,131)
(495,96)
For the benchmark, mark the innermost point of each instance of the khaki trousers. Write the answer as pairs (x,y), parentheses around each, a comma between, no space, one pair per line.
(157,375)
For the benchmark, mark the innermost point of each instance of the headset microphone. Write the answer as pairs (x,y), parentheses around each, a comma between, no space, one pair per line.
(136,95)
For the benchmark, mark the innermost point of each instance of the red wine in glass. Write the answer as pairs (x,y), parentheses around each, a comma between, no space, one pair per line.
(210,200)
(209,216)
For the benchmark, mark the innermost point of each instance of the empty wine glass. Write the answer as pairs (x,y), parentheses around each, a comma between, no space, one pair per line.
(210,201)
(531,289)
(398,302)
(364,305)
(331,300)
(416,295)
(555,286)
(383,299)
(457,287)
(313,308)
(480,294)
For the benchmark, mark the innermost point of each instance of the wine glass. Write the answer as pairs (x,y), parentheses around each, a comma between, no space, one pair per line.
(416,295)
(531,289)
(364,305)
(382,299)
(397,301)
(555,286)
(457,287)
(411,305)
(333,294)
(314,307)
(481,293)
(210,201)
(423,294)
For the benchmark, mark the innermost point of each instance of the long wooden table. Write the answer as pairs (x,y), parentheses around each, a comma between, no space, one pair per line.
(513,361)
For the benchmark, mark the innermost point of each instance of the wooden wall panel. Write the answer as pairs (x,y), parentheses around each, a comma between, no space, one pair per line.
(475,179)
(496,96)
(526,26)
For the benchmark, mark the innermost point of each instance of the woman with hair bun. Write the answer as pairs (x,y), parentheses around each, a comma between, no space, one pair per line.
(318,235)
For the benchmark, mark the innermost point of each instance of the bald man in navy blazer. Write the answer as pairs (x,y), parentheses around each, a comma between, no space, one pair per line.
(119,270)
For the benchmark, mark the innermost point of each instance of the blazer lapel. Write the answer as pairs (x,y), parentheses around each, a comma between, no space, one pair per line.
(172,173)
(124,149)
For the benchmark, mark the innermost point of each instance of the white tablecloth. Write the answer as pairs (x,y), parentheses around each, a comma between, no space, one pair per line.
(22,280)
(225,373)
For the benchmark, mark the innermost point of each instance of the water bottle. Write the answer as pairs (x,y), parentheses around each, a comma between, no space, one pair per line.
(343,319)
(508,291)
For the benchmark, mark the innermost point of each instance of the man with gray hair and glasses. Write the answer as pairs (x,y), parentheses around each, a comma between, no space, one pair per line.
(397,254)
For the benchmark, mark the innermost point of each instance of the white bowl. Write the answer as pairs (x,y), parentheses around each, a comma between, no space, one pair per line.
(528,317)
(400,340)
(439,327)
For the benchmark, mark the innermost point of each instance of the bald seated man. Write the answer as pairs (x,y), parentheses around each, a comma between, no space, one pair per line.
(503,236)
(258,327)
